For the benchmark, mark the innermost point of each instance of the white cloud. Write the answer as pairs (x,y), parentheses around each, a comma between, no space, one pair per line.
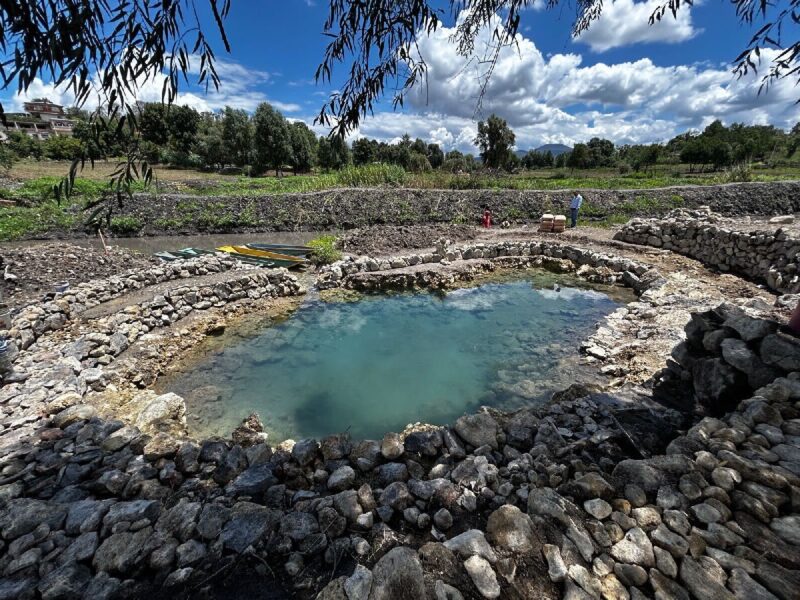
(555,99)
(626,22)
(236,89)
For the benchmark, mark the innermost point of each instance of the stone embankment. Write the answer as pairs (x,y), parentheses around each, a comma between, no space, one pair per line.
(587,497)
(768,256)
(413,270)
(351,207)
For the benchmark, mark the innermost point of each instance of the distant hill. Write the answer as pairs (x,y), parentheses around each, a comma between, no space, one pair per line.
(556,149)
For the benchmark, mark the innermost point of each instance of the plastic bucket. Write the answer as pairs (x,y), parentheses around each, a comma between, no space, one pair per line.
(61,287)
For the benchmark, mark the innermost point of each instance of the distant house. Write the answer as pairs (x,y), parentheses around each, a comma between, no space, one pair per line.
(42,119)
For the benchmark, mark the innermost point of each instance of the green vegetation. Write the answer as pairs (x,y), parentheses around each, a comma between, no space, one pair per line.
(125,226)
(19,221)
(324,250)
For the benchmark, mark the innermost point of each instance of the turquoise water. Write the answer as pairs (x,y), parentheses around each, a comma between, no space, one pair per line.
(377,364)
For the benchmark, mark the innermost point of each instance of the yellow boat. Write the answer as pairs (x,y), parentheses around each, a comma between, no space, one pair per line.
(278,260)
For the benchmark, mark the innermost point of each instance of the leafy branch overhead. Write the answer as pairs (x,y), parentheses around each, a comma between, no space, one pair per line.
(105,50)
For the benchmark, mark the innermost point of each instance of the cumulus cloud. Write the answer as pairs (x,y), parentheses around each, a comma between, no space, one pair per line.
(558,99)
(626,22)
(236,89)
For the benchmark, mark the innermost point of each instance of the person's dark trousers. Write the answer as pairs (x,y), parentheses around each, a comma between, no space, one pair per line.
(574,214)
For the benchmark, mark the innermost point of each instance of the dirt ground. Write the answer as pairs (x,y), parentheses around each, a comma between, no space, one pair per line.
(29,272)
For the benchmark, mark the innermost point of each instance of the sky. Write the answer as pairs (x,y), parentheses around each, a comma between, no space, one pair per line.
(623,79)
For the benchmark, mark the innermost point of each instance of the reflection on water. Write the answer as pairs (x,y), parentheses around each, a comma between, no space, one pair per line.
(377,364)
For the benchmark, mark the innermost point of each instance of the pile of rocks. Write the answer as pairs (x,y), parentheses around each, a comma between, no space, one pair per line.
(731,353)
(57,309)
(769,256)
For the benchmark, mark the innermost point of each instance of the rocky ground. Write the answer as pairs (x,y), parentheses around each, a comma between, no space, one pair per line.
(29,272)
(601,494)
(383,240)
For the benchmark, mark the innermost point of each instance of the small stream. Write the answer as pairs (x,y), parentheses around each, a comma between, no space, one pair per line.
(383,361)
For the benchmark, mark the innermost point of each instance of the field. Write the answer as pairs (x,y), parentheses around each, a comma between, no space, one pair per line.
(33,210)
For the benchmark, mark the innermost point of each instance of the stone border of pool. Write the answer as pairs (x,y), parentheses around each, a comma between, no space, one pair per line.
(96,508)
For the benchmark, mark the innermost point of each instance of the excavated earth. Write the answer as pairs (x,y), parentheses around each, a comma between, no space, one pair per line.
(678,477)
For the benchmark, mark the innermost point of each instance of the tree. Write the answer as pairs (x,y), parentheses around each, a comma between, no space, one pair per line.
(435,155)
(209,145)
(365,151)
(304,147)
(182,123)
(24,146)
(333,153)
(153,124)
(579,158)
(272,140)
(601,152)
(62,147)
(237,136)
(495,140)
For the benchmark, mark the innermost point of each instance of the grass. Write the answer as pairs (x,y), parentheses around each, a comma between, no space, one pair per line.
(39,177)
(324,250)
(19,221)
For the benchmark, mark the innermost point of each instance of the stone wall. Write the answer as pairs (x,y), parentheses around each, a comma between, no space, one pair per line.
(404,271)
(56,310)
(349,208)
(768,256)
(732,353)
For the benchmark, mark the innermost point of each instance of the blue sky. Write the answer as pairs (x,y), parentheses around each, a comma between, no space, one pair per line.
(623,79)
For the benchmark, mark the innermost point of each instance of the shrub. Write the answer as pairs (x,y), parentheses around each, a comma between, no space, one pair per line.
(374,175)
(324,250)
(623,168)
(125,225)
(62,147)
(741,172)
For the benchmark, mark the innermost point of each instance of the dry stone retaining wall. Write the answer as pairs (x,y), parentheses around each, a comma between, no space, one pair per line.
(352,207)
(769,256)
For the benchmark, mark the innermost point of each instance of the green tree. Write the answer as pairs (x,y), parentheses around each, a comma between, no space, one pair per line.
(332,153)
(62,147)
(25,146)
(602,152)
(237,136)
(210,146)
(495,140)
(272,140)
(418,163)
(579,158)
(153,124)
(365,151)
(182,124)
(304,147)
(435,155)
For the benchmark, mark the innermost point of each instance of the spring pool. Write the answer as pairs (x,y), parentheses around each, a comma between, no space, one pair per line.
(378,363)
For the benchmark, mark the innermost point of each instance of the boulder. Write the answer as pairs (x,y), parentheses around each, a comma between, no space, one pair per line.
(511,529)
(478,430)
(398,576)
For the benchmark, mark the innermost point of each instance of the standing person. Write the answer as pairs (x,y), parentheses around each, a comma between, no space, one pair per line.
(574,207)
(487,218)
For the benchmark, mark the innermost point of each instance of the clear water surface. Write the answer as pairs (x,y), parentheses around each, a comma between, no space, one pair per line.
(376,364)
